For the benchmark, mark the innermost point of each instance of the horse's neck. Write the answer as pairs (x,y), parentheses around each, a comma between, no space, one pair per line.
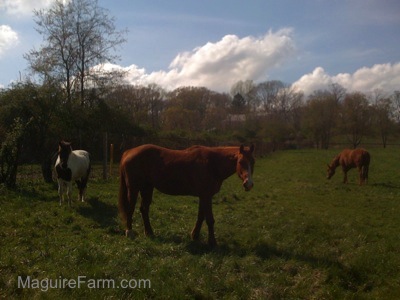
(227,160)
(336,162)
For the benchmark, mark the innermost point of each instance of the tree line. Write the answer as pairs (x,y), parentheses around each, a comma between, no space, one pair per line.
(69,96)
(35,117)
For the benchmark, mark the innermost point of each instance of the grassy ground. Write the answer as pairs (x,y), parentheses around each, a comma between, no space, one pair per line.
(295,235)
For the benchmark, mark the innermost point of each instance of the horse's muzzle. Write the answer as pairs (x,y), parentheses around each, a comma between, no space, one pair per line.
(248,185)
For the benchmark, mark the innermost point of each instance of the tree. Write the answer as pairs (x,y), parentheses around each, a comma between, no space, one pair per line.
(10,151)
(382,115)
(395,99)
(192,103)
(337,91)
(355,117)
(78,35)
(320,116)
(40,106)
(267,93)
(245,89)
(238,104)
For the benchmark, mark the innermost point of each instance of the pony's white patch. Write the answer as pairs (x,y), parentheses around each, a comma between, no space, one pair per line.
(79,164)
(249,177)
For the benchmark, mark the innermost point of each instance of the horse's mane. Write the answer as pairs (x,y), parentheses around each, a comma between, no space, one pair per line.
(335,162)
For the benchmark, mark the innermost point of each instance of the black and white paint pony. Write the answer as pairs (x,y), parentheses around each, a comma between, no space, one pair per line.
(71,166)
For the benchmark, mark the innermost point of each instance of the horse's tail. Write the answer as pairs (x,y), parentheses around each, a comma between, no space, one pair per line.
(89,169)
(123,195)
(365,167)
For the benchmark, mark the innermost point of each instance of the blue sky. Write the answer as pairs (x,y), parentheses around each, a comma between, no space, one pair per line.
(310,43)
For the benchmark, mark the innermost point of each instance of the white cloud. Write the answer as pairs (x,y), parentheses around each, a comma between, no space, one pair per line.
(23,7)
(8,39)
(219,65)
(384,77)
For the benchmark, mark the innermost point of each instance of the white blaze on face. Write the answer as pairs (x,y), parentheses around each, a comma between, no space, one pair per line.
(249,177)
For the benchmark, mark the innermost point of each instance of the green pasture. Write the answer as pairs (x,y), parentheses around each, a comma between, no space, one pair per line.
(296,235)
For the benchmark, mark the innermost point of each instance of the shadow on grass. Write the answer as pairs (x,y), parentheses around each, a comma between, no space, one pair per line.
(45,193)
(389,185)
(349,278)
(102,213)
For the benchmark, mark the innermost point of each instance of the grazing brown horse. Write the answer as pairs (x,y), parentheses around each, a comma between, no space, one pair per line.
(196,171)
(348,159)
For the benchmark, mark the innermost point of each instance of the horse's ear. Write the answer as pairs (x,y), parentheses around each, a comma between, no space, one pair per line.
(252,148)
(64,144)
(241,149)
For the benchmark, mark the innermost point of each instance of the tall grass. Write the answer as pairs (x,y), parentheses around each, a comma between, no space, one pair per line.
(295,235)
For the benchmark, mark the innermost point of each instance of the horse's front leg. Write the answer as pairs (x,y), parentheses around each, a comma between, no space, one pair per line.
(199,222)
(61,190)
(208,213)
(344,174)
(69,188)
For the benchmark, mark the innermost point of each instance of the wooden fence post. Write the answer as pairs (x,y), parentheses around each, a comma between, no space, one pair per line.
(105,155)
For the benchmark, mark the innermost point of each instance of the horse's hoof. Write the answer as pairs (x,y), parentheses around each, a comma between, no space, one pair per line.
(149,233)
(195,236)
(212,243)
(129,234)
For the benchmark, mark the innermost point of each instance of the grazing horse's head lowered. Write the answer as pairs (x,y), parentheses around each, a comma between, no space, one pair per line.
(64,150)
(245,166)
(330,171)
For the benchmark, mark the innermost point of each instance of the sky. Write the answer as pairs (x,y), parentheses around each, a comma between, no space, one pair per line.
(309,44)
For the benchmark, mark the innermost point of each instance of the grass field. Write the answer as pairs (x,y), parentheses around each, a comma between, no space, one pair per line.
(296,235)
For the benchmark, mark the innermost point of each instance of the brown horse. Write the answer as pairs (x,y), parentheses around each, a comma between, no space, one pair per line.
(348,159)
(196,171)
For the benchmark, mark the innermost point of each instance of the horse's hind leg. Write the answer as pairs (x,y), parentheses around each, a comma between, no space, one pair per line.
(82,188)
(360,175)
(129,209)
(147,196)
(365,174)
(84,182)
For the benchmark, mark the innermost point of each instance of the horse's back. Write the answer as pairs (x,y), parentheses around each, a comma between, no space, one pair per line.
(174,172)
(79,163)
(81,153)
(356,157)
(141,154)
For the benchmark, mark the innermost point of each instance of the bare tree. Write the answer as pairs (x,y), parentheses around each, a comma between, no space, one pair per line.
(337,91)
(246,90)
(77,36)
(355,117)
(395,99)
(267,93)
(382,115)
(320,115)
